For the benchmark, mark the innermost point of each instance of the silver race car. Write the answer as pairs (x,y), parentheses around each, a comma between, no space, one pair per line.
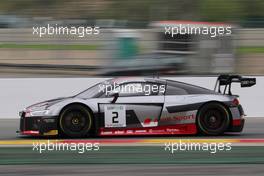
(140,106)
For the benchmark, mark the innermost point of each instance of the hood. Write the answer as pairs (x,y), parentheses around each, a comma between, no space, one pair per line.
(48,103)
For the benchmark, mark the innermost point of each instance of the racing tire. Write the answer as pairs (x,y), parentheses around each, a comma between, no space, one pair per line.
(76,121)
(213,119)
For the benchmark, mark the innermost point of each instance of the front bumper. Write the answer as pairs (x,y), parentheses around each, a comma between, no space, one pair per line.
(38,126)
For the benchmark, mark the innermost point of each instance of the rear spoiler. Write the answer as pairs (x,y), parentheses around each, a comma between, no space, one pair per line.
(227,80)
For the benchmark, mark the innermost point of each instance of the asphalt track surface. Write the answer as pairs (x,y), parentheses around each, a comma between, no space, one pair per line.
(132,170)
(253,129)
(142,160)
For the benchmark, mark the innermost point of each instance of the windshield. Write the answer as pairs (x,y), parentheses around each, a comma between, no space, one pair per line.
(91,92)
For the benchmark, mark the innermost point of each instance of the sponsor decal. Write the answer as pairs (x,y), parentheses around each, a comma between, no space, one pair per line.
(129,131)
(140,131)
(106,132)
(156,131)
(171,129)
(119,132)
(149,123)
(161,130)
(178,118)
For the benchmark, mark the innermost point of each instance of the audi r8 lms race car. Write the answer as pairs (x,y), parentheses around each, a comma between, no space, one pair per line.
(140,106)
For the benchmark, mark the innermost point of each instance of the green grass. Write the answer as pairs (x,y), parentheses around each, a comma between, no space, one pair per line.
(49,47)
(250,50)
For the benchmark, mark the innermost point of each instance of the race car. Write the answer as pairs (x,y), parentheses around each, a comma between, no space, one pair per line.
(140,106)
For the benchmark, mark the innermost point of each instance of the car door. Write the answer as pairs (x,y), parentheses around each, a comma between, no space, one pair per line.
(133,109)
(177,108)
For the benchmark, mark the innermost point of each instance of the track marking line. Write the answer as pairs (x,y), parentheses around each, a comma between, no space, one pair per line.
(133,142)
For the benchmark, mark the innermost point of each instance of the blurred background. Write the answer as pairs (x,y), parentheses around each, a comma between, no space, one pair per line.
(131,39)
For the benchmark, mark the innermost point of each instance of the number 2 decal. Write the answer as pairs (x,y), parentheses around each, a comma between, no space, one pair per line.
(115,116)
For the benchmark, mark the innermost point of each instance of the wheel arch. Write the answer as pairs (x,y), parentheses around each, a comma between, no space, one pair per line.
(79,104)
(76,103)
(219,102)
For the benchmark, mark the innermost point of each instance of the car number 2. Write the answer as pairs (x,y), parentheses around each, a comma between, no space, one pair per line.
(115,116)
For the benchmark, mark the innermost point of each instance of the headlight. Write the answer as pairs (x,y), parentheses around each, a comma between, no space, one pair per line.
(39,109)
(37,113)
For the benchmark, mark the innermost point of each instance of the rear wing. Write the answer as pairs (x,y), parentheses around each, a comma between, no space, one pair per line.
(227,80)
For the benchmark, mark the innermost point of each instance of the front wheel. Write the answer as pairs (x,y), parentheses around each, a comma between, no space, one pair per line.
(213,119)
(75,121)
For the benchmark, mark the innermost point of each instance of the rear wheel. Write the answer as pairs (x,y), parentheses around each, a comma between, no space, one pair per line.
(76,121)
(213,119)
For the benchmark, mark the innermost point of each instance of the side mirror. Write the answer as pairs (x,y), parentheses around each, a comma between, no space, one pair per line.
(115,95)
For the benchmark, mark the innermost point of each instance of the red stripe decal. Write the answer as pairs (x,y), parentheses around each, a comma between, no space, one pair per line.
(160,130)
(30,132)
(251,141)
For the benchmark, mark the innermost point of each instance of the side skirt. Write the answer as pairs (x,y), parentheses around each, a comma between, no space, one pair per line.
(160,130)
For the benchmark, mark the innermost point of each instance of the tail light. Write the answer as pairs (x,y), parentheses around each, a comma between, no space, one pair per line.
(235,102)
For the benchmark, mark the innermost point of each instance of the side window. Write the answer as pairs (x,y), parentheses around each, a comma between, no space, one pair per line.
(172,90)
